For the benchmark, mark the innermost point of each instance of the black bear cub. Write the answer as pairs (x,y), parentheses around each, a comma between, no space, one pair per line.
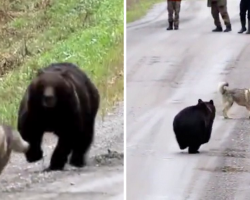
(193,125)
(63,100)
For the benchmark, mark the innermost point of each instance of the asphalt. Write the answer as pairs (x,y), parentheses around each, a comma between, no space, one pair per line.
(167,71)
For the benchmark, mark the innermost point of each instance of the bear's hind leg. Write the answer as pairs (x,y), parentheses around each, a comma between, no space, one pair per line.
(80,148)
(60,154)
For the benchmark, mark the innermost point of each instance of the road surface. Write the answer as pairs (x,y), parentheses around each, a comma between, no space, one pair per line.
(101,179)
(167,71)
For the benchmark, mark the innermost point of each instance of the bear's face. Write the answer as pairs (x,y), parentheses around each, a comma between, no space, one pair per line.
(48,89)
(207,105)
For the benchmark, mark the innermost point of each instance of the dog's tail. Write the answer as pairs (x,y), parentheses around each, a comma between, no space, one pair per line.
(18,144)
(12,140)
(221,87)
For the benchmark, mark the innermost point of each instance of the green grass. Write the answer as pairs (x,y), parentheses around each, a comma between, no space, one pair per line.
(88,33)
(138,9)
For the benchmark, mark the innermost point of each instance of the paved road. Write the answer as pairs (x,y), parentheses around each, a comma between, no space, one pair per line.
(167,71)
(101,179)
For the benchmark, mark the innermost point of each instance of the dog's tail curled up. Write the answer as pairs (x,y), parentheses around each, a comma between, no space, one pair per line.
(221,87)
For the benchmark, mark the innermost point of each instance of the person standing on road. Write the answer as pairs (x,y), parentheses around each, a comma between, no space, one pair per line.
(173,7)
(244,9)
(220,7)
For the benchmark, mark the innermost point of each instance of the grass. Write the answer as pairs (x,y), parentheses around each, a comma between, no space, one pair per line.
(35,33)
(138,8)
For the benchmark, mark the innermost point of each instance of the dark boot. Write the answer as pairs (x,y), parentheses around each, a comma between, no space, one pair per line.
(176,27)
(170,26)
(217,29)
(248,31)
(243,26)
(228,28)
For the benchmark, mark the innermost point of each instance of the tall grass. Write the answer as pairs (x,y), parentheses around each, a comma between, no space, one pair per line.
(88,33)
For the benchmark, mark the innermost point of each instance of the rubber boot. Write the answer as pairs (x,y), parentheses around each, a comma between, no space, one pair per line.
(170,26)
(228,28)
(248,31)
(217,29)
(243,26)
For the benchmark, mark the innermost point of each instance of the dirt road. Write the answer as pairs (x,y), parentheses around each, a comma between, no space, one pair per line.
(168,70)
(101,179)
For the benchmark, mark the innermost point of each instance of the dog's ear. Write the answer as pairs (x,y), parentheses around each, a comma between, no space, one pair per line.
(211,102)
(200,101)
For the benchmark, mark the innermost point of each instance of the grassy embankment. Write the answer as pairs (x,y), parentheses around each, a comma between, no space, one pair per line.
(138,8)
(34,33)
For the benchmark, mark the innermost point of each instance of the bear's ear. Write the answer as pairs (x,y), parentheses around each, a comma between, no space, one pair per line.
(64,73)
(200,101)
(40,71)
(211,102)
(69,77)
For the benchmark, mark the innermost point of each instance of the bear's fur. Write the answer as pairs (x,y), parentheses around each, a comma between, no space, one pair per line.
(10,140)
(193,125)
(63,100)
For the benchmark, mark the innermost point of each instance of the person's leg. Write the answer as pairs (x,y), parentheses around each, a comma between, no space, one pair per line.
(170,14)
(243,11)
(248,17)
(177,9)
(225,17)
(215,14)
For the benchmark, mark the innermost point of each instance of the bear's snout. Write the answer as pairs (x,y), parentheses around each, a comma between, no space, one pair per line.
(49,101)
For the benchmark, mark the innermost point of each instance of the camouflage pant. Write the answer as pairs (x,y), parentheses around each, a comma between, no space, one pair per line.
(174,8)
(216,10)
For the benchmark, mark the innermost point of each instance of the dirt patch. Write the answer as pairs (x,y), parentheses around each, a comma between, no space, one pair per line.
(110,158)
(228,152)
(130,3)
(225,169)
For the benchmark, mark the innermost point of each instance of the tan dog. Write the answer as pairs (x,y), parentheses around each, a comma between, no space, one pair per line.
(10,140)
(229,96)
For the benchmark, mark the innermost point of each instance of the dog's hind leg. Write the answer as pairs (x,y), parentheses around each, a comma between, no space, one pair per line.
(227,106)
(248,108)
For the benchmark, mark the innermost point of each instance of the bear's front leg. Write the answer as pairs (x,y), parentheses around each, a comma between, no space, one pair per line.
(194,149)
(82,144)
(80,147)
(60,155)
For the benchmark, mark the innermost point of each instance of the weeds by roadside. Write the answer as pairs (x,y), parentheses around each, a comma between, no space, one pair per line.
(138,8)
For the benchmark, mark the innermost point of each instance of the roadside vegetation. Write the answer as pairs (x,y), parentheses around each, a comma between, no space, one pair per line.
(35,33)
(138,8)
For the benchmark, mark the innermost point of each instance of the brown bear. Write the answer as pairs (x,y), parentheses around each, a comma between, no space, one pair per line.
(60,99)
(193,125)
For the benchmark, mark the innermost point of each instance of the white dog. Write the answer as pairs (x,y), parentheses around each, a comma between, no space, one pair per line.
(10,140)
